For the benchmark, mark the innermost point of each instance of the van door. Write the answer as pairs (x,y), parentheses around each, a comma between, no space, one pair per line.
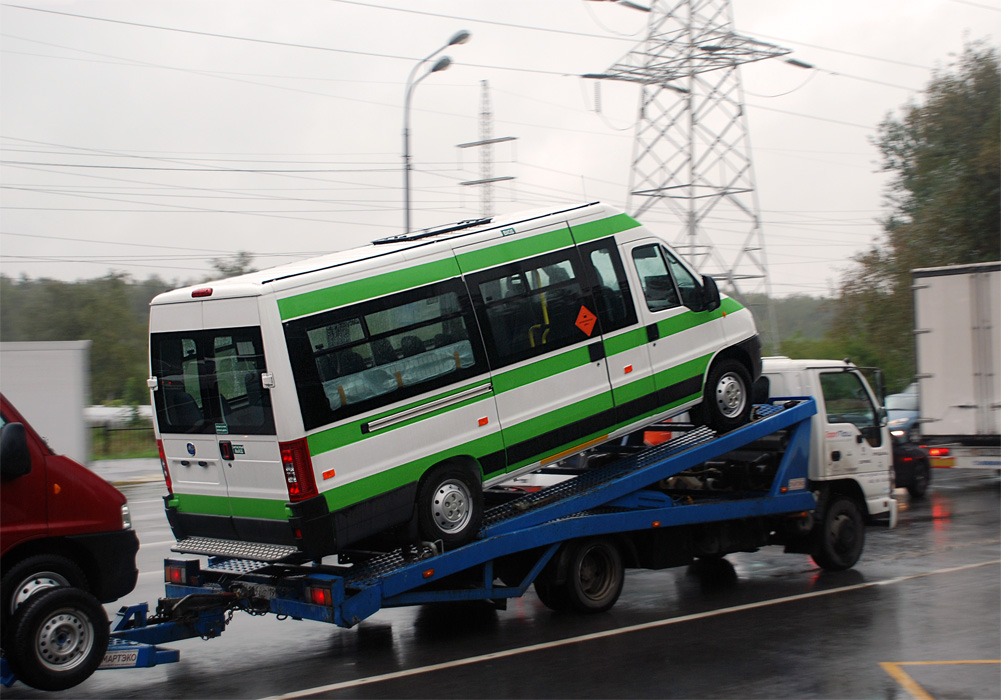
(218,432)
(681,337)
(543,342)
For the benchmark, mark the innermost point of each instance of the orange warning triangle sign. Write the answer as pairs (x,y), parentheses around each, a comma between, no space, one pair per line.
(586,320)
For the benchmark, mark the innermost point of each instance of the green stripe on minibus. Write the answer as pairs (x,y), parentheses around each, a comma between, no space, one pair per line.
(239,507)
(367,288)
(341,435)
(515,249)
(604,227)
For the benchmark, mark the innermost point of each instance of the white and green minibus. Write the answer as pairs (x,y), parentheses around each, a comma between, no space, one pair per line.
(304,409)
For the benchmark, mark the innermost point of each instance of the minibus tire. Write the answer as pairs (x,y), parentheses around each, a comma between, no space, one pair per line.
(59,638)
(726,402)
(449,505)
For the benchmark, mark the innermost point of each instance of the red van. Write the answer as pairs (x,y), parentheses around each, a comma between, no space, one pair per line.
(61,526)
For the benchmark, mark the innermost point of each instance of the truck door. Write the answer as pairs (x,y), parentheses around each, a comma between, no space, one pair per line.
(217,426)
(681,338)
(547,359)
(854,438)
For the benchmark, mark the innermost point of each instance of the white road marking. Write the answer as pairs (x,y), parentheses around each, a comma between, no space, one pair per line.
(613,633)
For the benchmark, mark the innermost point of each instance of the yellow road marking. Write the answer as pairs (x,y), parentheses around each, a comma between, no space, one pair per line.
(912,686)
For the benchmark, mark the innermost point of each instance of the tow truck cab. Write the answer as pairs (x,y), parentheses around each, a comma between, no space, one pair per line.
(60,524)
(851,453)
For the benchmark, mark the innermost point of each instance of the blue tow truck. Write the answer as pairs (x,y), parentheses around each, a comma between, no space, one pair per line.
(698,495)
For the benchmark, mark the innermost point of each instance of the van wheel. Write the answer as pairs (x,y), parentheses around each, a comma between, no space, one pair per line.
(450,505)
(839,538)
(726,400)
(34,575)
(59,638)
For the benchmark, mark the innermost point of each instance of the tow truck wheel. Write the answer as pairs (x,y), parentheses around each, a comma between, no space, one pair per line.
(59,638)
(594,576)
(840,537)
(553,596)
(449,505)
(726,403)
(920,479)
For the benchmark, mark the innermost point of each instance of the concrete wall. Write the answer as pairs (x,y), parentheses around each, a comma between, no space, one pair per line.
(49,383)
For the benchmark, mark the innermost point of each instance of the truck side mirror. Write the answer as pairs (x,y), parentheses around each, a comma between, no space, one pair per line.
(710,294)
(15,457)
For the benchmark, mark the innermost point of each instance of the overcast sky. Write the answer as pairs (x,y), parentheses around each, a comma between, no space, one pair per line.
(151,136)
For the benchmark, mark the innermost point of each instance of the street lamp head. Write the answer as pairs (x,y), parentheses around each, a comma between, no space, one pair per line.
(443,63)
(460,37)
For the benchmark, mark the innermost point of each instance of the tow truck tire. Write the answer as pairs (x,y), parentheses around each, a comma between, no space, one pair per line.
(59,638)
(553,596)
(33,575)
(726,401)
(450,505)
(840,537)
(594,575)
(920,479)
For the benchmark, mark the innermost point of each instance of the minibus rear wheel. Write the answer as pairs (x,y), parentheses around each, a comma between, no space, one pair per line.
(450,505)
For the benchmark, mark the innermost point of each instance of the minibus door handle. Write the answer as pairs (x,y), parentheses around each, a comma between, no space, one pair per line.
(652,332)
(226,450)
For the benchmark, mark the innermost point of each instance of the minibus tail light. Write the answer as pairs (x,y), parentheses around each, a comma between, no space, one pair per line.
(298,469)
(163,466)
(203,292)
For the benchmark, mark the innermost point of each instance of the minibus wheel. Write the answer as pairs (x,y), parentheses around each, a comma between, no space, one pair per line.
(726,402)
(450,505)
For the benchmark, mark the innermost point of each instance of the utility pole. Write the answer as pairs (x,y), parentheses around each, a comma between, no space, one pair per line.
(485,145)
(691,152)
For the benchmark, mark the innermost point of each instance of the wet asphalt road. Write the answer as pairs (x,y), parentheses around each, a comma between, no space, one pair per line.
(919,616)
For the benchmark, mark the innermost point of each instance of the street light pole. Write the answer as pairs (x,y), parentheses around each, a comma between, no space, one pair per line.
(460,37)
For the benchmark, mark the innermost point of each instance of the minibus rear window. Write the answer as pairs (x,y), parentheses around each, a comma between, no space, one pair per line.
(209,381)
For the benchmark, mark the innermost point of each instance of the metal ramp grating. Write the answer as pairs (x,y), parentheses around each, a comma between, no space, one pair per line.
(589,481)
(255,551)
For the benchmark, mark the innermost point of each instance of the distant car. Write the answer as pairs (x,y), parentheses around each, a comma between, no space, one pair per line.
(911,468)
(902,411)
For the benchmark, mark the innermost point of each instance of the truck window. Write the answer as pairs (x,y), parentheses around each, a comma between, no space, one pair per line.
(607,280)
(347,361)
(655,279)
(209,381)
(531,307)
(847,401)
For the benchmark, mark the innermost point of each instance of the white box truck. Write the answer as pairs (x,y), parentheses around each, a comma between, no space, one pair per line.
(957,330)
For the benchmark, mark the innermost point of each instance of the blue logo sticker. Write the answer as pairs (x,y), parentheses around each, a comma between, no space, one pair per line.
(191,449)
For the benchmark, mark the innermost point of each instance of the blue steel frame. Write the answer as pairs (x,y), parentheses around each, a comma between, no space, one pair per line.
(552,520)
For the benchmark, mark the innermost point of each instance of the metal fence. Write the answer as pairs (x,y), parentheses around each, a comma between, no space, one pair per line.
(108,442)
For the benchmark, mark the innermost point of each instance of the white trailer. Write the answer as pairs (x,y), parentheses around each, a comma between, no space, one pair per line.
(957,330)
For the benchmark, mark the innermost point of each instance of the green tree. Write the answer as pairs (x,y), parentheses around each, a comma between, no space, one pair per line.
(944,158)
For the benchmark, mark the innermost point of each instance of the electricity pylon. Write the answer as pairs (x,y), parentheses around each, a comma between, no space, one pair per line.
(692,153)
(485,145)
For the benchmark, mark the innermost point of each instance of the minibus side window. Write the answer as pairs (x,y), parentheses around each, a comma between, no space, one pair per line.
(371,354)
(655,279)
(608,284)
(531,307)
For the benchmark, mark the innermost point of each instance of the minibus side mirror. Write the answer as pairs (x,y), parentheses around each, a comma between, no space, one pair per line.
(710,294)
(15,457)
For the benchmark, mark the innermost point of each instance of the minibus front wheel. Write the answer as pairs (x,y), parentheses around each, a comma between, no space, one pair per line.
(450,505)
